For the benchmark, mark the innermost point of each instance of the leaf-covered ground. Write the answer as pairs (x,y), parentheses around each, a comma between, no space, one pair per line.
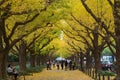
(58,75)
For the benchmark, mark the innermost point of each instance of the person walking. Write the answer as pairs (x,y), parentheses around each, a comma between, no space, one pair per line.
(66,64)
(53,64)
(70,65)
(48,64)
(57,64)
(62,64)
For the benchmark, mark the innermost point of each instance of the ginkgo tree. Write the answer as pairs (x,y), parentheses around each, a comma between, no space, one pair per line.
(113,29)
(16,15)
(12,10)
(90,28)
(68,31)
(93,31)
(93,38)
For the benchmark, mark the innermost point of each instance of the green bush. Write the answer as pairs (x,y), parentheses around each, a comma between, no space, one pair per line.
(30,70)
(34,69)
(13,58)
(106,73)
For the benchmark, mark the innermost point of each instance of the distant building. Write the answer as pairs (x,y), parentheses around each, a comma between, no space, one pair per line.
(108,58)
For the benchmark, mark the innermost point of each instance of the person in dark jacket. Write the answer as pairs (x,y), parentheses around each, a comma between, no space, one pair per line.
(70,65)
(66,64)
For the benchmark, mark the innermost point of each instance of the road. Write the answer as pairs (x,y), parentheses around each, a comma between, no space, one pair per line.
(58,75)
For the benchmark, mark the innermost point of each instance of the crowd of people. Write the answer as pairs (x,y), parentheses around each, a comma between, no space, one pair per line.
(63,65)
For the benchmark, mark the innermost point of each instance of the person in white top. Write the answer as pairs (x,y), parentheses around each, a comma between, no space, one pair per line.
(12,71)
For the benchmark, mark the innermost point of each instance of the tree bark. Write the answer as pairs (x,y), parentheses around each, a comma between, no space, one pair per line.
(77,61)
(3,53)
(38,59)
(32,58)
(88,61)
(116,13)
(97,61)
(81,61)
(22,56)
(44,59)
(3,62)
(96,53)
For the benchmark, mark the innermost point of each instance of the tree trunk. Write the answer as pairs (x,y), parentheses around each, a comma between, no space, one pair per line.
(3,52)
(97,62)
(96,53)
(88,61)
(118,67)
(3,62)
(22,56)
(32,58)
(77,61)
(117,33)
(38,59)
(44,59)
(81,61)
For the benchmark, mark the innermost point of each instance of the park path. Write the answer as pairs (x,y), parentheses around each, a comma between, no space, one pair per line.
(58,75)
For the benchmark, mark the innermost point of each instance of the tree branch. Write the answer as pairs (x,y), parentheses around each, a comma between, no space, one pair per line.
(88,33)
(34,39)
(18,39)
(73,47)
(2,2)
(21,23)
(111,4)
(97,19)
(82,36)
(81,23)
(46,32)
(27,12)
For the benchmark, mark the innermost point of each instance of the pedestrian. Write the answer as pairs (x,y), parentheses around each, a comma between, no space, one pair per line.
(66,64)
(50,63)
(70,65)
(47,64)
(53,64)
(57,64)
(62,64)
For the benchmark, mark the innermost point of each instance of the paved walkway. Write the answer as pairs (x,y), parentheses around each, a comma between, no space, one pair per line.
(58,75)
